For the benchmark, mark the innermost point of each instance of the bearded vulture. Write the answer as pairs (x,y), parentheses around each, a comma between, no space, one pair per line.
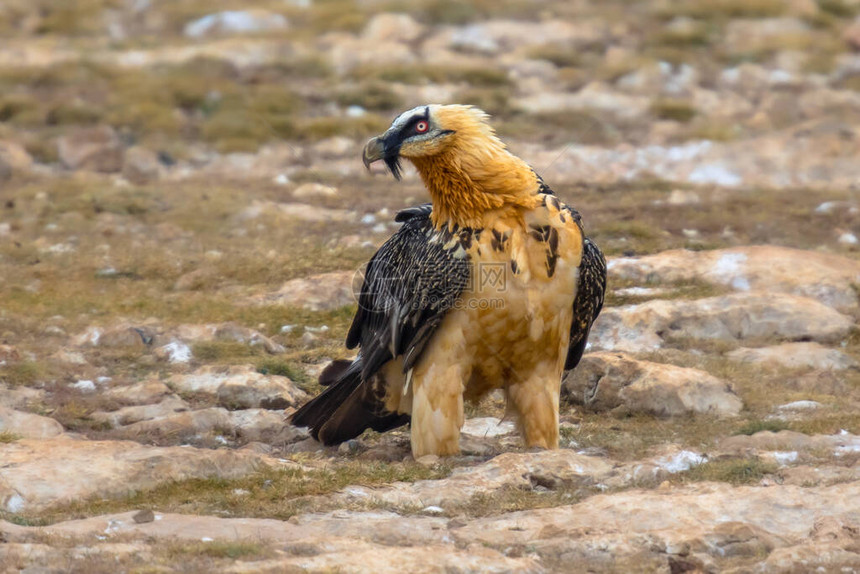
(493,285)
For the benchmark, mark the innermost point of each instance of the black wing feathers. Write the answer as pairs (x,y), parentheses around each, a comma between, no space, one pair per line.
(588,301)
(409,286)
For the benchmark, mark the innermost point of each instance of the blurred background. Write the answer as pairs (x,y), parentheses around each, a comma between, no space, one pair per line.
(183,208)
(167,167)
(757,92)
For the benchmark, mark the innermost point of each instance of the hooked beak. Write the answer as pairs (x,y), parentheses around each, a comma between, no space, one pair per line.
(377,149)
(373,151)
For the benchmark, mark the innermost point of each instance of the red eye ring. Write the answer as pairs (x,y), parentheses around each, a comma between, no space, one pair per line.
(421,127)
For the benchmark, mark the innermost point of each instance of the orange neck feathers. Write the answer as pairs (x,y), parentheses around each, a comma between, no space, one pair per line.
(475,174)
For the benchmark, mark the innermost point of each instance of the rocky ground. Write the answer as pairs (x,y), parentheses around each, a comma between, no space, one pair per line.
(183,211)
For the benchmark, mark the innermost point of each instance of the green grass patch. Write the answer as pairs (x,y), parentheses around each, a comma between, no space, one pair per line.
(754,426)
(284,368)
(224,351)
(233,549)
(733,471)
(511,499)
(672,109)
(838,8)
(724,9)
(7,437)
(559,56)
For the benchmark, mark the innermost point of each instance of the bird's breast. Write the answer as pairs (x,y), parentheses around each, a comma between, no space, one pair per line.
(518,306)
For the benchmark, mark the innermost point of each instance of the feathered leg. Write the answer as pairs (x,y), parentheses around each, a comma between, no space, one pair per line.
(437,392)
(535,402)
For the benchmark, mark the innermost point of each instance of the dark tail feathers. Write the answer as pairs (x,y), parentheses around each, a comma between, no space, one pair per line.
(345,408)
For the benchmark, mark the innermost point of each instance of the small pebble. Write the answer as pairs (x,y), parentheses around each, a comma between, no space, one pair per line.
(143,516)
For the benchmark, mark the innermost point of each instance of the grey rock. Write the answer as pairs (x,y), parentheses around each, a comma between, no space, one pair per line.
(132,414)
(736,317)
(606,381)
(141,166)
(95,149)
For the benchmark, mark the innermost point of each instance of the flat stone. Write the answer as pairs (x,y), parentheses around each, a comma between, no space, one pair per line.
(142,393)
(322,292)
(796,355)
(36,474)
(96,149)
(28,425)
(355,542)
(552,468)
(605,381)
(20,397)
(241,386)
(132,414)
(487,427)
(717,520)
(735,318)
(181,425)
(790,441)
(825,277)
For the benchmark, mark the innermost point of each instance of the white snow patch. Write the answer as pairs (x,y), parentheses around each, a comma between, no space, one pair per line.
(355,111)
(640,292)
(234,21)
(15,503)
(113,526)
(848,239)
(357,492)
(94,335)
(85,386)
(851,445)
(433,510)
(715,174)
(729,265)
(177,352)
(799,406)
(207,539)
(784,457)
(680,461)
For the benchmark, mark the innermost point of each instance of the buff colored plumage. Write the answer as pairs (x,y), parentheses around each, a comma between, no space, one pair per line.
(493,287)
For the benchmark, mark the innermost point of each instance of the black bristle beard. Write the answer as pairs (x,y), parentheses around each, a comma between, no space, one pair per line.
(393,163)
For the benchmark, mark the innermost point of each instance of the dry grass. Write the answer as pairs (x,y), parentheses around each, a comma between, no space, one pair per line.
(269,494)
